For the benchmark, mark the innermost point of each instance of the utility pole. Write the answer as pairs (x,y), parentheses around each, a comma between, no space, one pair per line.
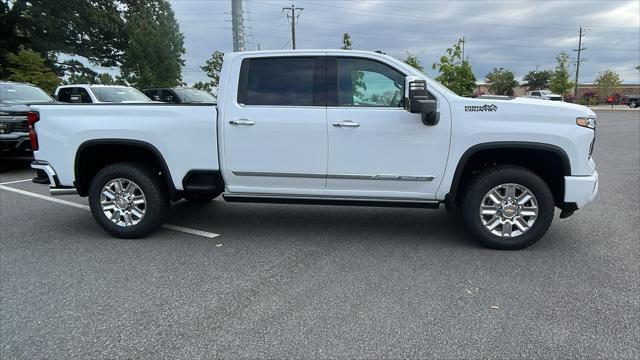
(237,25)
(292,17)
(463,48)
(579,50)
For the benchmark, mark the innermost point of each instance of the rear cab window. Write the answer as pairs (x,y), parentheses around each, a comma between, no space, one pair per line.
(282,81)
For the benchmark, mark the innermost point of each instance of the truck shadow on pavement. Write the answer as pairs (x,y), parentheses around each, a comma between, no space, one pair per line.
(354,224)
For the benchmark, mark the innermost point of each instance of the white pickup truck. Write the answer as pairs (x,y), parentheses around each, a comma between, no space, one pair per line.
(325,127)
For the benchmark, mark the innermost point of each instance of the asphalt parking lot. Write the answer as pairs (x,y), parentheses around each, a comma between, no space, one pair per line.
(323,282)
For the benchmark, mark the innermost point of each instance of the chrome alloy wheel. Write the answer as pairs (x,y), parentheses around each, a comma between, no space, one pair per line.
(123,202)
(509,210)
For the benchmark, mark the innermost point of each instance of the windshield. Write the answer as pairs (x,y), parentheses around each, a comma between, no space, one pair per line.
(22,93)
(118,94)
(195,95)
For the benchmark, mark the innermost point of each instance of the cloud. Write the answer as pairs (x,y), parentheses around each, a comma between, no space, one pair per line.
(518,35)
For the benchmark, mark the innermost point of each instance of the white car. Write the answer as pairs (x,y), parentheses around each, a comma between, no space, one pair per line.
(315,127)
(94,94)
(545,95)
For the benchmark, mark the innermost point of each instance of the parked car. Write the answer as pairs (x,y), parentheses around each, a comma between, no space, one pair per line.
(545,95)
(180,95)
(633,100)
(14,129)
(92,94)
(300,127)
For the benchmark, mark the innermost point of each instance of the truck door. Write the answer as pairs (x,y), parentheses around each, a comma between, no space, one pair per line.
(376,148)
(274,132)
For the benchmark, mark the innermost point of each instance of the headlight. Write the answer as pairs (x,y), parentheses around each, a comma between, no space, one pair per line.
(586,122)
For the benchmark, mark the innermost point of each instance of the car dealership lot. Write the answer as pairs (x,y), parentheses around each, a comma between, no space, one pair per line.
(314,281)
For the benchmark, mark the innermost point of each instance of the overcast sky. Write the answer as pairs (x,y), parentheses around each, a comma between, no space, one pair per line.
(517,35)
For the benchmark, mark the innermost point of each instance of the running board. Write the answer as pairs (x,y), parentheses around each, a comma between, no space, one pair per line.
(329,200)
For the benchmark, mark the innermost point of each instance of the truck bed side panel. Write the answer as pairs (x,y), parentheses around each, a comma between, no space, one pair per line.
(185,135)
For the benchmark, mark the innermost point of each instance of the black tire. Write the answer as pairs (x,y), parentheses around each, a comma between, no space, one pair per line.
(480,186)
(155,193)
(200,198)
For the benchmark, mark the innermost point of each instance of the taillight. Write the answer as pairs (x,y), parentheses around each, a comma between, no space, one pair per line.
(32,118)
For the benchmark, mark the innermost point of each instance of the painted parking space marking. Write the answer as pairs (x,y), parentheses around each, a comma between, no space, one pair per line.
(15,181)
(182,229)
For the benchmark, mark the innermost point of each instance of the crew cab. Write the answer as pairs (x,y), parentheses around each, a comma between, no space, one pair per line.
(327,127)
(179,95)
(94,94)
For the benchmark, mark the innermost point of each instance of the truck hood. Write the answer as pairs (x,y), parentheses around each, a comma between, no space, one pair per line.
(527,105)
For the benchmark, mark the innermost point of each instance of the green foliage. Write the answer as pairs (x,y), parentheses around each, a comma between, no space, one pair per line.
(638,67)
(501,81)
(153,56)
(28,66)
(455,72)
(559,82)
(346,41)
(94,29)
(607,83)
(78,73)
(107,79)
(11,40)
(212,68)
(206,86)
(412,60)
(538,80)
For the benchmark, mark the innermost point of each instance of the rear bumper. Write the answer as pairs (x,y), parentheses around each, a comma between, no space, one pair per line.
(580,190)
(54,184)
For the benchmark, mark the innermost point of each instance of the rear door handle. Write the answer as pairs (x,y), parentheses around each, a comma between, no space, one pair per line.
(246,122)
(346,123)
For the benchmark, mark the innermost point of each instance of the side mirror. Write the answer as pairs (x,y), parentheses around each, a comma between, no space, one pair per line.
(417,101)
(75,99)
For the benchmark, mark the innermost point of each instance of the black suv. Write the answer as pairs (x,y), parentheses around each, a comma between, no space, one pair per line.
(180,95)
(14,130)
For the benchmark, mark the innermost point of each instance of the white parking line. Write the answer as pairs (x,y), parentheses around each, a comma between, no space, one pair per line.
(15,181)
(185,230)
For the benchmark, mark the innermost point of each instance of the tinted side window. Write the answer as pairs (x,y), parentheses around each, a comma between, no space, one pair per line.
(168,97)
(366,83)
(280,81)
(64,94)
(84,96)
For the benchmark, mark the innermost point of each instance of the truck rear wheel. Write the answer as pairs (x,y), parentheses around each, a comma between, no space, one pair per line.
(128,200)
(508,207)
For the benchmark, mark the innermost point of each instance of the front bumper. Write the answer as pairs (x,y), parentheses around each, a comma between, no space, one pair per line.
(15,147)
(580,190)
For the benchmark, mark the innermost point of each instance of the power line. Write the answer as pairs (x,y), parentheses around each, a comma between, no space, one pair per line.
(293,18)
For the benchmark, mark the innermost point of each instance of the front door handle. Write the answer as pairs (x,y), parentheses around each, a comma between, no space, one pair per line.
(242,122)
(346,123)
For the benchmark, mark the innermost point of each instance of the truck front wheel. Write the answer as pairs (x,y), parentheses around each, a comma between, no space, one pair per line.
(508,207)
(128,200)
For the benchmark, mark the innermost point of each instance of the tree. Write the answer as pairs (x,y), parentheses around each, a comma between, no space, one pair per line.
(107,79)
(212,68)
(607,83)
(28,66)
(11,40)
(413,61)
(153,56)
(94,29)
(501,81)
(559,82)
(455,72)
(206,86)
(78,73)
(346,41)
(538,80)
